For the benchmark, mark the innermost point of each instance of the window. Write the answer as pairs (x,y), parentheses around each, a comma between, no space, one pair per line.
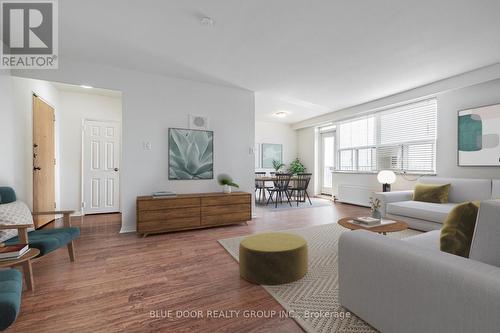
(401,139)
(357,144)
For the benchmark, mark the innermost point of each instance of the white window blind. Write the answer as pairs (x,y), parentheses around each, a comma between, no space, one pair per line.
(401,139)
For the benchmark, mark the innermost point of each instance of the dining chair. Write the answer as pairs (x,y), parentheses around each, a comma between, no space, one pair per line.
(300,187)
(281,186)
(260,186)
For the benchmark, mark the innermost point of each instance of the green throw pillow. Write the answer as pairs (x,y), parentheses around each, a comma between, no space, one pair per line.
(458,229)
(431,193)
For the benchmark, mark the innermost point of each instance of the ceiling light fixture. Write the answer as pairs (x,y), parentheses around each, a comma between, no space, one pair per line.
(84,86)
(280,114)
(207,21)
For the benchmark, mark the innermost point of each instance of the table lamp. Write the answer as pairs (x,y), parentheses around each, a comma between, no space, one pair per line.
(386,178)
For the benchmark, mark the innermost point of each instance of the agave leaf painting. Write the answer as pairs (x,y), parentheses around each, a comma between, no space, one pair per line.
(191,154)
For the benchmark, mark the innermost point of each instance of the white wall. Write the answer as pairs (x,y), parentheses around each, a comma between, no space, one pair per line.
(308,154)
(70,109)
(449,103)
(278,133)
(152,104)
(74,107)
(7,137)
(22,93)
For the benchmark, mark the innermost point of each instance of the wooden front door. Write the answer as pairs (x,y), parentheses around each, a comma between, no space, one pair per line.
(43,161)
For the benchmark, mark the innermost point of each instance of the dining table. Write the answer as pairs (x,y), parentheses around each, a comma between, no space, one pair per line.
(265,179)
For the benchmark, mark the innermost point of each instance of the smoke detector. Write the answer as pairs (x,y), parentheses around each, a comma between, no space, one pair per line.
(207,21)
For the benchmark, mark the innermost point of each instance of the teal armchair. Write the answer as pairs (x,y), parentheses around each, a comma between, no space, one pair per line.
(11,286)
(46,240)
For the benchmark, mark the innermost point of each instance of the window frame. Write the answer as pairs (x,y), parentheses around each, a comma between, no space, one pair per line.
(403,146)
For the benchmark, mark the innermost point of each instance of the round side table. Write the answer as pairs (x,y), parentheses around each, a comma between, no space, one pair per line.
(25,261)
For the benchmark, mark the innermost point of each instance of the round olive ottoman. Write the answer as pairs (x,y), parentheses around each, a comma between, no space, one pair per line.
(273,258)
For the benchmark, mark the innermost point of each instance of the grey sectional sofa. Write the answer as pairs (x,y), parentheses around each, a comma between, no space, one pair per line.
(411,286)
(427,216)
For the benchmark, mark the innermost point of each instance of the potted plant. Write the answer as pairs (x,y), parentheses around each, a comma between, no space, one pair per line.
(296,167)
(374,207)
(277,165)
(227,182)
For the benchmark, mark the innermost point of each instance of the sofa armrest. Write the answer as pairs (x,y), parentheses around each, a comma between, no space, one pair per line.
(388,197)
(396,286)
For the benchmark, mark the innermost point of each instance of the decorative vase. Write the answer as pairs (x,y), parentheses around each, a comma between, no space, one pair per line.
(376,214)
(226,189)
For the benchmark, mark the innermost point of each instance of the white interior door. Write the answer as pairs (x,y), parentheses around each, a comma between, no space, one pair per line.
(101,167)
(327,161)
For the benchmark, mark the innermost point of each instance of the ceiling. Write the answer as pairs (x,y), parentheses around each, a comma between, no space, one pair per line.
(306,57)
(90,91)
(266,105)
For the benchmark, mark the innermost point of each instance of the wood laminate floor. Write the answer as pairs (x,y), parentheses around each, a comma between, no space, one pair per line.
(118,279)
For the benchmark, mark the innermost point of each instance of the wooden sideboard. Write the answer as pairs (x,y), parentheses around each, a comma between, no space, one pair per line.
(192,211)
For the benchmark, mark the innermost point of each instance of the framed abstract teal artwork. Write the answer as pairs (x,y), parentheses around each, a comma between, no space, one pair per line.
(271,152)
(479,136)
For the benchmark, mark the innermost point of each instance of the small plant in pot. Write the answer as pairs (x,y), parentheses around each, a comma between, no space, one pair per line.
(277,165)
(296,167)
(374,207)
(227,182)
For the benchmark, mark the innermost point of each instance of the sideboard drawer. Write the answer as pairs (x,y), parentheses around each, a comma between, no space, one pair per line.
(227,209)
(226,218)
(226,200)
(168,214)
(170,225)
(157,204)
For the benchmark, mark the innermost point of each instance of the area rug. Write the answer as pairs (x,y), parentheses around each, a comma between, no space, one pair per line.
(315,202)
(317,292)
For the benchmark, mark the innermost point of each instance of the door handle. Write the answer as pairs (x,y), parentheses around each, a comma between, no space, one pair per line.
(37,168)
(116,169)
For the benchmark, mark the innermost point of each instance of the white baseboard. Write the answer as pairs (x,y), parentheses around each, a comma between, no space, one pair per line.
(128,229)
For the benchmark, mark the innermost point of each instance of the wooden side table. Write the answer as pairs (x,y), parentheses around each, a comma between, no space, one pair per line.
(25,261)
(381,229)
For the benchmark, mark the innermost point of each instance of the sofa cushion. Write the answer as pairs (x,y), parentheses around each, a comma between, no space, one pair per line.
(10,296)
(13,213)
(434,193)
(427,240)
(463,189)
(458,229)
(485,243)
(48,240)
(7,195)
(421,210)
